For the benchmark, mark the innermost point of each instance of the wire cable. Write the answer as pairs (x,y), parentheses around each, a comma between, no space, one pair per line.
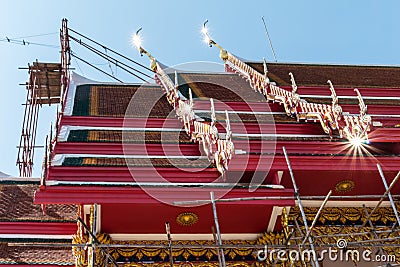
(36,35)
(79,67)
(93,66)
(25,43)
(115,61)
(109,64)
(111,50)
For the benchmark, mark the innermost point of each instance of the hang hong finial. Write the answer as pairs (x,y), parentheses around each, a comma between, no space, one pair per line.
(337,110)
(207,38)
(333,95)
(137,42)
(176,80)
(363,107)
(265,66)
(190,97)
(265,70)
(228,126)
(213,117)
(294,85)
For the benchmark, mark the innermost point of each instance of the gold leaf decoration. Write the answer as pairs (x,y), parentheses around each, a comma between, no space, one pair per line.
(344,186)
(187,218)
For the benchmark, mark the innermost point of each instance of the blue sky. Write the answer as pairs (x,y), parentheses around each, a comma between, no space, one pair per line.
(324,31)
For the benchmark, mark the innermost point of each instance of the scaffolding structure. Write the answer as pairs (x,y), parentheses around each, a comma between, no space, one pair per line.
(47,85)
(43,87)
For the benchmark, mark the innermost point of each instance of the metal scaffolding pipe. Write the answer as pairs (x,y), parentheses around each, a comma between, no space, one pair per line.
(317,216)
(382,196)
(373,231)
(182,246)
(168,230)
(278,198)
(94,233)
(97,241)
(388,191)
(297,194)
(220,250)
(216,243)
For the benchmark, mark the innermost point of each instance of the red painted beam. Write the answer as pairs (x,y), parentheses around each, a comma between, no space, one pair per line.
(312,128)
(122,174)
(110,194)
(373,109)
(127,149)
(48,228)
(266,147)
(276,107)
(385,134)
(313,163)
(238,164)
(255,146)
(238,106)
(341,91)
(120,122)
(294,128)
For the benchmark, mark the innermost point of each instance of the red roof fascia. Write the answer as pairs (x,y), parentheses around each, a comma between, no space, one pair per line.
(48,228)
(343,91)
(280,128)
(314,147)
(275,107)
(238,163)
(386,134)
(313,163)
(168,123)
(109,194)
(122,174)
(128,149)
(238,106)
(373,109)
(119,122)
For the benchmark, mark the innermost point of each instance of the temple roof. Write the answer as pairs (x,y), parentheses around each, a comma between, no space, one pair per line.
(118,136)
(113,101)
(24,226)
(32,255)
(224,87)
(16,204)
